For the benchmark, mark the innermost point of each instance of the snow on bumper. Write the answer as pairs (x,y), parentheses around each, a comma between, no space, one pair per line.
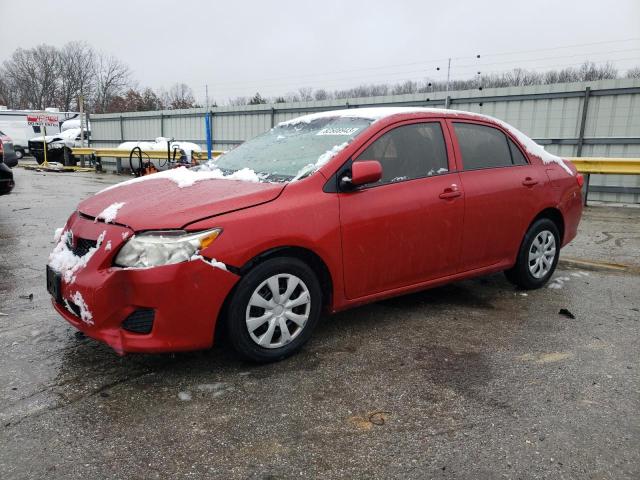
(185,298)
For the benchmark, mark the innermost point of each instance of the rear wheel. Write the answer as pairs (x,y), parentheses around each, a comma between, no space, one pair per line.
(19,153)
(274,309)
(538,256)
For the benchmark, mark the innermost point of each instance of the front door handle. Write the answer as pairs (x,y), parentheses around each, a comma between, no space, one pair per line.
(451,192)
(529,182)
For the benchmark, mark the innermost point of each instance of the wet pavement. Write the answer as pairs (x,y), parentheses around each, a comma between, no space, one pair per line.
(473,380)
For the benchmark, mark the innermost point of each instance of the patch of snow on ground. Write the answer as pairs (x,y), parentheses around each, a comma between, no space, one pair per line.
(184,396)
(185,177)
(558,283)
(109,213)
(65,262)
(85,314)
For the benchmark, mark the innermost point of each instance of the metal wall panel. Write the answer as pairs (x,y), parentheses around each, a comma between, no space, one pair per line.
(551,114)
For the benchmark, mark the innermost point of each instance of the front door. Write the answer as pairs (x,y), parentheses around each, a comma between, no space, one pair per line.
(407,228)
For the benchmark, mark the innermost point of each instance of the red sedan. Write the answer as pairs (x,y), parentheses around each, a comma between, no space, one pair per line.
(326,211)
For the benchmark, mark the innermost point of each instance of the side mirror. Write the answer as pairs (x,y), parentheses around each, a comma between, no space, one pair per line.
(365,171)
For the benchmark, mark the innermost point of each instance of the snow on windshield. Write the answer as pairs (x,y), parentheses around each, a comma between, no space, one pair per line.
(292,150)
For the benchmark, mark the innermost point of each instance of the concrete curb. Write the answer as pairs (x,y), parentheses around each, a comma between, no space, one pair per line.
(595,265)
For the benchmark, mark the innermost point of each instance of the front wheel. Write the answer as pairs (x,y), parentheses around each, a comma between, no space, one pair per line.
(274,309)
(538,256)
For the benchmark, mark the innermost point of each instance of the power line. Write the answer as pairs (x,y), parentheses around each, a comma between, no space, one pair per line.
(422,62)
(405,75)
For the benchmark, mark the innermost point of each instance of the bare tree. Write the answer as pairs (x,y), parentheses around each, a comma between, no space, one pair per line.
(112,78)
(633,72)
(179,96)
(34,75)
(77,73)
(305,94)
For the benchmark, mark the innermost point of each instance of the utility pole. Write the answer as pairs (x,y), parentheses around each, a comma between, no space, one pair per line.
(81,108)
(446,101)
(206,95)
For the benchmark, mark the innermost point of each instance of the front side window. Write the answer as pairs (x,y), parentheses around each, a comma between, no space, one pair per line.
(410,151)
(482,146)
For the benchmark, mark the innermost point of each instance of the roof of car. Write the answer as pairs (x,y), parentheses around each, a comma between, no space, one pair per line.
(378,113)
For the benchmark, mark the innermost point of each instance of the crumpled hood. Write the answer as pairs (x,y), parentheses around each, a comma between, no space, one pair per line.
(157,204)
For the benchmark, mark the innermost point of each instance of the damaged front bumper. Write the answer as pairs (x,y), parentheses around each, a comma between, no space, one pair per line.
(160,309)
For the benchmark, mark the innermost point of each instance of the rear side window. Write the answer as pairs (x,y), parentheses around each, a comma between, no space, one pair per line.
(410,151)
(482,146)
(516,154)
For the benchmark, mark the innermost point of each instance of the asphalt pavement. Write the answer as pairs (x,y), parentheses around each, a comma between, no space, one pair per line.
(473,380)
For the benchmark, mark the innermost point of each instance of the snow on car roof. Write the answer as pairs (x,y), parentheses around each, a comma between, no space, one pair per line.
(378,113)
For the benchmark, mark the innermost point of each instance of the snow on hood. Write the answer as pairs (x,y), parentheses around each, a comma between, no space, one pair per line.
(160,144)
(69,134)
(186,177)
(109,214)
(156,202)
(378,113)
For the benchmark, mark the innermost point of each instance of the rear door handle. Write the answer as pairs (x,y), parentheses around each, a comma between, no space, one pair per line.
(451,192)
(529,182)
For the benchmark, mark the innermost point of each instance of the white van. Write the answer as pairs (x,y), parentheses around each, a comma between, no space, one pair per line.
(14,124)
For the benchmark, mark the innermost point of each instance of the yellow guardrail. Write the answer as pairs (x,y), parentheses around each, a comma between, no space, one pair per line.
(606,165)
(124,153)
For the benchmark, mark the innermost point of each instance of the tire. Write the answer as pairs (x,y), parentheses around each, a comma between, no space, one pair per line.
(39,158)
(267,342)
(68,159)
(19,153)
(534,265)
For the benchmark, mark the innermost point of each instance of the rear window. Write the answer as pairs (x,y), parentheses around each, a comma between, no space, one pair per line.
(516,154)
(482,146)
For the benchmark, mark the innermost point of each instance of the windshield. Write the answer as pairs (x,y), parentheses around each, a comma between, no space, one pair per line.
(293,150)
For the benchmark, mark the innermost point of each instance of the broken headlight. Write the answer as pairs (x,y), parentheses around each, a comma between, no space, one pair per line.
(163,247)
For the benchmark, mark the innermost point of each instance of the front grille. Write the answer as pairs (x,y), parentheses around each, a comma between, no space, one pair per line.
(81,246)
(140,321)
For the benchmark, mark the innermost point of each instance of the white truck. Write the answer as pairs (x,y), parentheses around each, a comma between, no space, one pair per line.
(14,123)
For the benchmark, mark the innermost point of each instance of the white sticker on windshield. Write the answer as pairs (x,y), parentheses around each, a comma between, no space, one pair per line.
(338,131)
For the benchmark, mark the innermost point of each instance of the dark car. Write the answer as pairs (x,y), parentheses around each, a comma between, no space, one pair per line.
(6,179)
(7,153)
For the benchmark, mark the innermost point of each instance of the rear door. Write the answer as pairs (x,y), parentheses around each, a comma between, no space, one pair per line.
(502,193)
(405,229)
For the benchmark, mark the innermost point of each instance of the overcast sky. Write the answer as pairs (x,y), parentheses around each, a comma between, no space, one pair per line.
(239,47)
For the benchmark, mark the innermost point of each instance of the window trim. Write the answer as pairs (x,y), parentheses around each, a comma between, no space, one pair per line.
(505,132)
(446,135)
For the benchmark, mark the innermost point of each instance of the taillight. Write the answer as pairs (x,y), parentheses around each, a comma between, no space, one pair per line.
(580,179)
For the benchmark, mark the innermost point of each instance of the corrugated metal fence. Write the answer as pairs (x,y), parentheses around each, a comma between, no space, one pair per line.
(600,118)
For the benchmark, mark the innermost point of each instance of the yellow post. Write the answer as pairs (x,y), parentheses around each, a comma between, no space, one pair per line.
(44,141)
